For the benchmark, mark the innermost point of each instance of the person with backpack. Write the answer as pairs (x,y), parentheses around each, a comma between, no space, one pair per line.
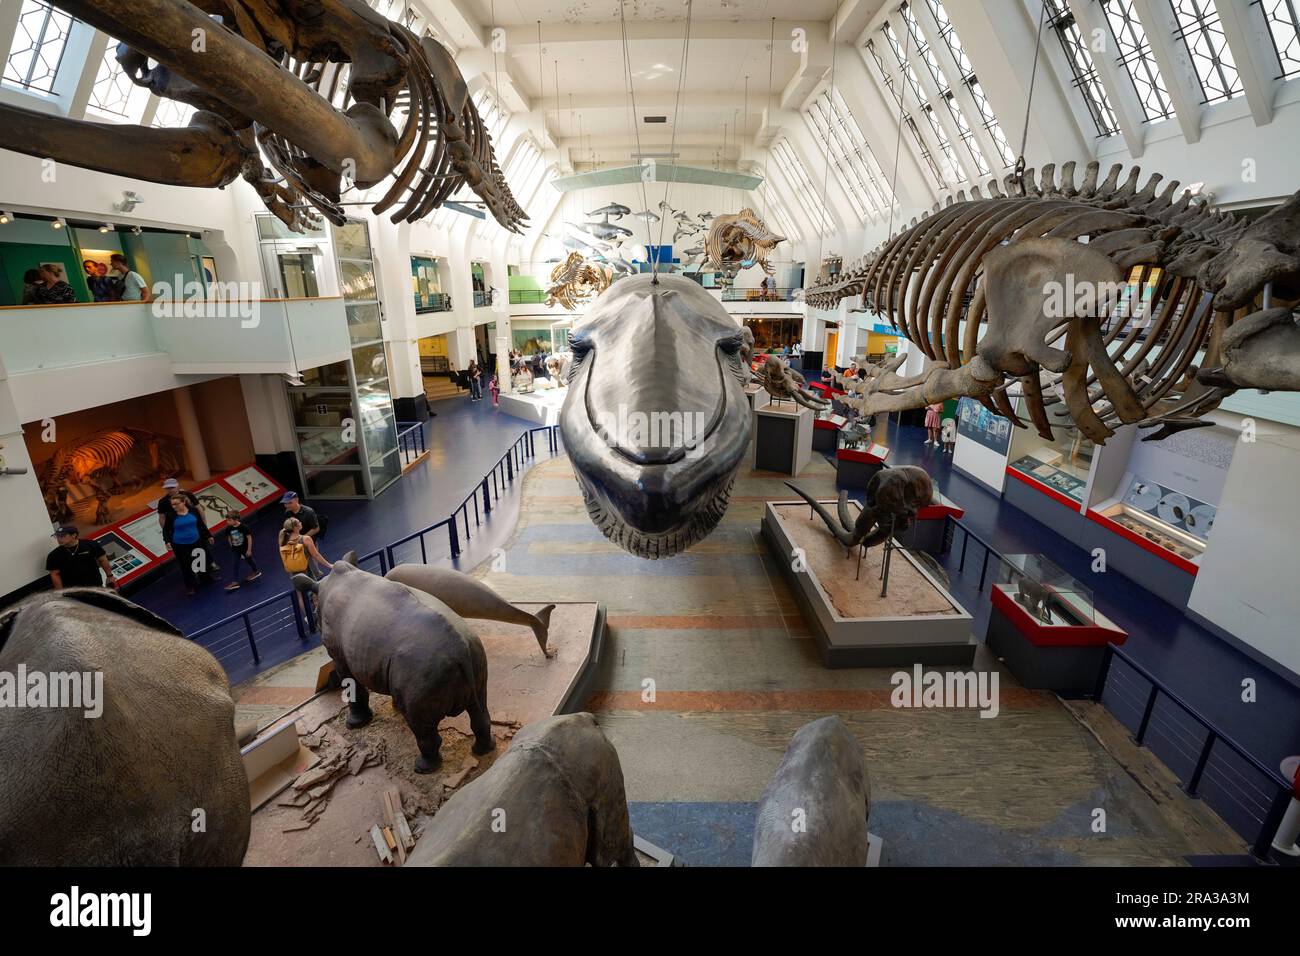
(298,552)
(241,548)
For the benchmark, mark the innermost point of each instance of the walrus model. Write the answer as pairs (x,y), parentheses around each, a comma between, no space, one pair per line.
(814,810)
(555,798)
(472,599)
(391,639)
(130,758)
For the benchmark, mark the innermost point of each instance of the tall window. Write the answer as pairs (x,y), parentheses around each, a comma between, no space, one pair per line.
(1200,28)
(113,89)
(805,194)
(37,48)
(774,212)
(1082,66)
(172,113)
(887,79)
(1283,19)
(855,165)
(491,112)
(1136,57)
(520,168)
(948,34)
(951,169)
(921,50)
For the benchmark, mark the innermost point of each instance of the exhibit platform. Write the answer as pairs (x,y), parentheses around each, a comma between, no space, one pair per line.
(328,823)
(917,621)
(783,436)
(540,406)
(855,467)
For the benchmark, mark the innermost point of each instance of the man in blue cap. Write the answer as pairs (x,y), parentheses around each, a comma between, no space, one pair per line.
(310,520)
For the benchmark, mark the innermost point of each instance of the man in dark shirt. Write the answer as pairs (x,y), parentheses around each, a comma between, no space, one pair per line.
(76,563)
(293,506)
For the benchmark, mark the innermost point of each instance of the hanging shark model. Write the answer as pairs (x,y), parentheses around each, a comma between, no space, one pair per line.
(655,420)
(617,210)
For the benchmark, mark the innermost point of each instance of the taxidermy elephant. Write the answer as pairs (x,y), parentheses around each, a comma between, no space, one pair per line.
(388,638)
(814,812)
(154,779)
(472,599)
(555,798)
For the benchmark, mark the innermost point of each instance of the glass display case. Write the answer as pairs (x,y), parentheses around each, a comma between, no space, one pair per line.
(1062,464)
(1166,518)
(1045,592)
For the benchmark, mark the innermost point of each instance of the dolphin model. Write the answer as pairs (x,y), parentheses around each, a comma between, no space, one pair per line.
(603,230)
(617,210)
(655,419)
(472,599)
(645,216)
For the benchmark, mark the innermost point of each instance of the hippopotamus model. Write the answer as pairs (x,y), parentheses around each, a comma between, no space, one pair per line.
(555,798)
(472,599)
(392,639)
(135,763)
(814,812)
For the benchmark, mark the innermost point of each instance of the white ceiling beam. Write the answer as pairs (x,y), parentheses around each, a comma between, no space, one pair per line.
(815,53)
(1114,80)
(1252,49)
(454,20)
(853,17)
(1175,65)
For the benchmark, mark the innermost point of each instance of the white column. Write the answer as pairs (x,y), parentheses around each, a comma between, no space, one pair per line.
(191,433)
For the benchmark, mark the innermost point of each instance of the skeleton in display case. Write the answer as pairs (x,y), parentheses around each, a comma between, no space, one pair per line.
(783,383)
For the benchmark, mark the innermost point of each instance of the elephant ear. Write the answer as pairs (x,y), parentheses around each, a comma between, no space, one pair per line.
(350,558)
(109,600)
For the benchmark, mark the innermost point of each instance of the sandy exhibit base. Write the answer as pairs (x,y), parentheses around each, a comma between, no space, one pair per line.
(917,621)
(324,815)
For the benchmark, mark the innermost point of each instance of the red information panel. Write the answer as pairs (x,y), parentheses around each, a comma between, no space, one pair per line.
(135,545)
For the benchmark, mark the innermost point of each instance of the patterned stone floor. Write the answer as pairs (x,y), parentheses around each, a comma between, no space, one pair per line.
(717,635)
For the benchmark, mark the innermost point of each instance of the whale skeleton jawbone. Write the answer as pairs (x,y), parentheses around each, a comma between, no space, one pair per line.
(699,525)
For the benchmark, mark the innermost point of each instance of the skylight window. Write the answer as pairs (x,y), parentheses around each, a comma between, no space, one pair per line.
(887,78)
(989,119)
(113,91)
(855,165)
(1284,27)
(775,210)
(1082,66)
(804,193)
(1200,28)
(37,47)
(921,49)
(1136,58)
(947,170)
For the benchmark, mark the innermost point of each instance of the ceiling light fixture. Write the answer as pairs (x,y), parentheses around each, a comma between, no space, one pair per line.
(58,223)
(105,228)
(6,218)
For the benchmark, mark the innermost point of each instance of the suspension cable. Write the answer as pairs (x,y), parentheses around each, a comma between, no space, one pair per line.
(636,131)
(1029,99)
(672,148)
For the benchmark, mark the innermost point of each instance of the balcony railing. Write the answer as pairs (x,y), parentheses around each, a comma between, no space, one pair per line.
(433,302)
(482,298)
(528,296)
(758,295)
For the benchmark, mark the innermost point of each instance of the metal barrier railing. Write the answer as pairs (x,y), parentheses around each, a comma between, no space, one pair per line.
(1253,812)
(1228,798)
(273,616)
(758,295)
(410,441)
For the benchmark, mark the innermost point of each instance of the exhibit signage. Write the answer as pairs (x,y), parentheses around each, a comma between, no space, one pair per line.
(978,423)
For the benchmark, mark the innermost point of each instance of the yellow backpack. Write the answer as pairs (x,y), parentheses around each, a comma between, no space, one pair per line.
(294,557)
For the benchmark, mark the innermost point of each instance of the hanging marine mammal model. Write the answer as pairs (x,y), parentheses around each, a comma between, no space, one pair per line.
(655,420)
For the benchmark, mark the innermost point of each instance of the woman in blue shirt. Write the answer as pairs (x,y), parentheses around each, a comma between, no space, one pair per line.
(190,541)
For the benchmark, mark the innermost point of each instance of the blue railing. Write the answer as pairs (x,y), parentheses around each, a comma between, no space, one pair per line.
(410,441)
(285,615)
(1248,795)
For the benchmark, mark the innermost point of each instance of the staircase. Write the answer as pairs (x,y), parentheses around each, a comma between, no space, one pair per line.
(438,387)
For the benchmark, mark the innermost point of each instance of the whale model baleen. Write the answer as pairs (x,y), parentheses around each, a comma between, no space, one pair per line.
(472,599)
(617,210)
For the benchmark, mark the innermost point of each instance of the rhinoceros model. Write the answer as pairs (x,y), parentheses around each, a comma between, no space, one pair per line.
(814,811)
(555,798)
(392,639)
(129,758)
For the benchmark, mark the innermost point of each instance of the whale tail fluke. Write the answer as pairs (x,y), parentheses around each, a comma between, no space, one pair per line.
(542,628)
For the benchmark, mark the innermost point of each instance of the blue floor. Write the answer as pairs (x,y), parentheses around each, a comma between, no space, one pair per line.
(465,440)
(1194,662)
